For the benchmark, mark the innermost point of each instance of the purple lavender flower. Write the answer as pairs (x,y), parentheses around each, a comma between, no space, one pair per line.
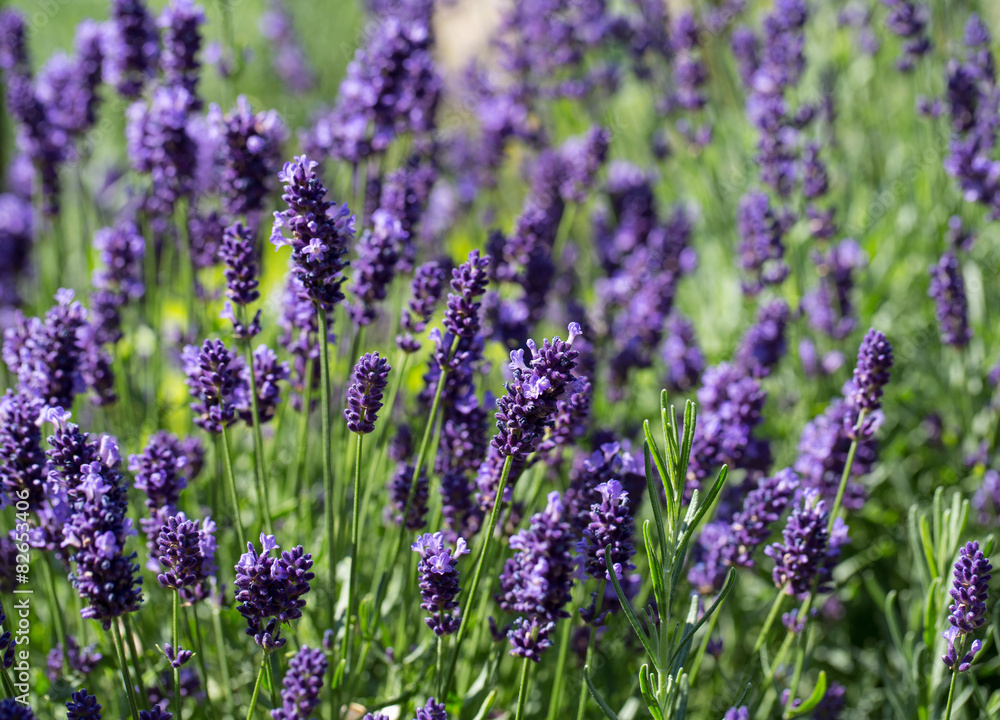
(321,231)
(23,465)
(425,292)
(83,706)
(987,498)
(11,709)
(89,46)
(48,356)
(761,508)
(302,685)
(133,47)
(406,194)
(530,403)
(180,21)
(828,307)
(156,713)
(81,661)
(582,157)
(364,396)
(95,537)
(238,254)
(164,467)
(392,87)
(61,90)
(268,375)
(250,153)
(179,553)
(737,713)
(681,354)
(970,591)
(607,539)
(468,283)
(439,581)
(761,250)
(764,343)
(270,589)
(378,255)
(432,710)
(823,449)
(951,308)
(211,379)
(808,552)
(159,143)
(205,230)
(121,250)
(908,20)
(537,581)
(872,372)
(287,56)
(13,43)
(399,497)
(16,232)
(570,421)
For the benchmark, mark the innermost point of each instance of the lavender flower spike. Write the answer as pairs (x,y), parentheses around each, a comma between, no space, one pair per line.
(439,581)
(364,396)
(432,710)
(320,229)
(83,706)
(607,538)
(872,372)
(968,613)
(428,284)
(808,552)
(302,684)
(211,379)
(951,307)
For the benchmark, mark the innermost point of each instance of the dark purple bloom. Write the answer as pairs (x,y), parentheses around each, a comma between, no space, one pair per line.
(180,21)
(301,687)
(23,465)
(177,657)
(179,552)
(364,396)
(62,90)
(392,87)
(908,20)
(432,710)
(737,713)
(607,539)
(239,255)
(121,250)
(287,55)
(530,403)
(681,354)
(81,661)
(378,255)
(570,421)
(95,535)
(205,231)
(83,706)
(439,581)
(468,283)
(133,47)
(406,194)
(537,581)
(828,307)
(951,307)
(425,293)
(970,591)
(160,143)
(89,45)
(268,375)
(13,43)
(808,553)
(270,589)
(212,378)
(48,356)
(764,343)
(156,713)
(762,507)
(872,371)
(250,153)
(321,231)
(11,709)
(582,157)
(164,467)
(823,450)
(761,249)
(399,497)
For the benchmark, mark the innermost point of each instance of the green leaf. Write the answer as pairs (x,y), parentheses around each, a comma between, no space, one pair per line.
(928,545)
(665,479)
(601,702)
(691,523)
(817,694)
(931,612)
(988,545)
(655,569)
(630,614)
(654,499)
(338,674)
(690,420)
(487,705)
(646,688)
(688,634)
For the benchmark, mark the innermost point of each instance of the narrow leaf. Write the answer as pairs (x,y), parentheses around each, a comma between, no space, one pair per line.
(601,703)
(817,695)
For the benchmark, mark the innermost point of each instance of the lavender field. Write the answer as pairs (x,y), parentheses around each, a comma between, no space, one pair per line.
(513,359)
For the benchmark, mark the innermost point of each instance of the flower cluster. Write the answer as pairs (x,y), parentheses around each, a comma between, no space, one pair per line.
(212,378)
(302,685)
(970,591)
(804,561)
(364,396)
(425,293)
(607,538)
(439,581)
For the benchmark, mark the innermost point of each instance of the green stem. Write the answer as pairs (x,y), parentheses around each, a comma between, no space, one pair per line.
(771,617)
(439,667)
(582,703)
(327,443)
(483,551)
(233,496)
(847,472)
(256,687)
(951,692)
(353,578)
(300,460)
(50,586)
(202,664)
(793,689)
(555,700)
(270,675)
(177,670)
(220,648)
(133,651)
(116,636)
(522,693)
(260,472)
